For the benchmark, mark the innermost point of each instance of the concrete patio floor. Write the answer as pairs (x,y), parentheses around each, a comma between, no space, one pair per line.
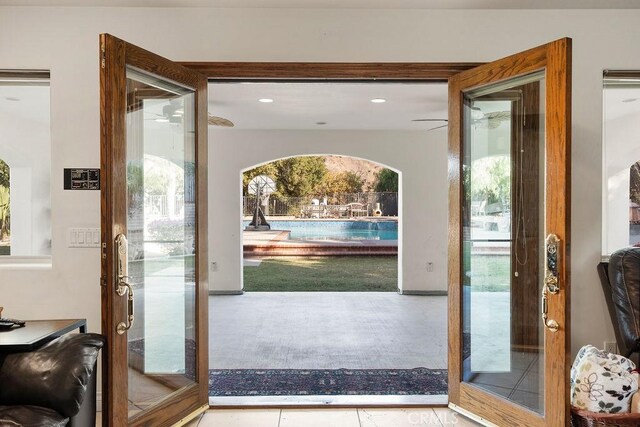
(327,330)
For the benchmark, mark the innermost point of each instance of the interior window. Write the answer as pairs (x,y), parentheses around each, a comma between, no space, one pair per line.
(25,165)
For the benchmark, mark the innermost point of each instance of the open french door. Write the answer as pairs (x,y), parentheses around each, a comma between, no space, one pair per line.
(154,237)
(509,207)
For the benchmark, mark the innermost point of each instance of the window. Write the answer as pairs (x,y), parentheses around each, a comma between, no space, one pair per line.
(25,165)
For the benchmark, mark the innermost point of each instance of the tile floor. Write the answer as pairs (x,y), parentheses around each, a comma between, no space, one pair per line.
(361,417)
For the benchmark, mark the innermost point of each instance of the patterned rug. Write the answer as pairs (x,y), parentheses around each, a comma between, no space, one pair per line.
(296,382)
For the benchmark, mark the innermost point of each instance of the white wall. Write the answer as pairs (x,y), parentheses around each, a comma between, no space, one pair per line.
(424,192)
(65,40)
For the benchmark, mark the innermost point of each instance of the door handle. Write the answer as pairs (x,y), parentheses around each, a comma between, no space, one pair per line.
(122,281)
(551,283)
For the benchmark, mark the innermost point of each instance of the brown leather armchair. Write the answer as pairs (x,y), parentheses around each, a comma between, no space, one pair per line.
(620,279)
(54,385)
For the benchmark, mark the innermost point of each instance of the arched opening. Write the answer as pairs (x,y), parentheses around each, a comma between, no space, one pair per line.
(5,208)
(337,213)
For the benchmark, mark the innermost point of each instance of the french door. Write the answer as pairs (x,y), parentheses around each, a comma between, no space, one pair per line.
(154,237)
(509,174)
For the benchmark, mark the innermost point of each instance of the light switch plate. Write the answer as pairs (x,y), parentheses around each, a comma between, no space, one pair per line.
(84,238)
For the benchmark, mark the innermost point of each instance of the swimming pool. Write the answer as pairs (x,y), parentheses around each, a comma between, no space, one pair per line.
(337,230)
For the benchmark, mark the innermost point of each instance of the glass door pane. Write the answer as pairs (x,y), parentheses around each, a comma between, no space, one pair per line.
(160,203)
(503,232)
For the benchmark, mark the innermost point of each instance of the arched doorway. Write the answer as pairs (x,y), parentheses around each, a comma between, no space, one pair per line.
(341,212)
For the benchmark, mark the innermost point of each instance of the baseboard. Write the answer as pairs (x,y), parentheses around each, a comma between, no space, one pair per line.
(425,293)
(213,292)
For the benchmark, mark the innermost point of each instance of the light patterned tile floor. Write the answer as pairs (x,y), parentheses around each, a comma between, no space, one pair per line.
(337,417)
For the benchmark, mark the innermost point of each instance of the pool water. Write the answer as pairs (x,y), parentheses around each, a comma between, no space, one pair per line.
(337,229)
(347,234)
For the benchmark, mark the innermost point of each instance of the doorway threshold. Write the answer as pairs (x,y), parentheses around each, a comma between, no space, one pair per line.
(324,400)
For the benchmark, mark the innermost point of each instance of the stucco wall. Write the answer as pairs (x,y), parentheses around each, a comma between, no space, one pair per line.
(423,205)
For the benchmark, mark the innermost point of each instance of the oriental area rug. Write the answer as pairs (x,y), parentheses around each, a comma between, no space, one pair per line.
(297,382)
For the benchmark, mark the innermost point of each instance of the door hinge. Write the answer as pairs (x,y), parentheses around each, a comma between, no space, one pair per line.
(103,281)
(103,55)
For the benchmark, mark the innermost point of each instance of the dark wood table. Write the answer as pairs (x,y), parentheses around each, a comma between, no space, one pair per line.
(36,333)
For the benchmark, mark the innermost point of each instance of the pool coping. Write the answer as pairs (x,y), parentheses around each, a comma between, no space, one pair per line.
(280,245)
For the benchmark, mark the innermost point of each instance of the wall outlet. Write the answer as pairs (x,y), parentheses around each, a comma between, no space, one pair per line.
(430,267)
(214,266)
(611,347)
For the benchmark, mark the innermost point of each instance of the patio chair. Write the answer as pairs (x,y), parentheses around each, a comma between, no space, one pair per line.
(358,209)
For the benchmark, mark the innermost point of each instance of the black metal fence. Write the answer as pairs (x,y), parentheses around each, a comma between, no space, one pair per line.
(293,206)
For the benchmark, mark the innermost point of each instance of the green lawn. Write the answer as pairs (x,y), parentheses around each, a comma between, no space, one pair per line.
(490,273)
(328,274)
(152,266)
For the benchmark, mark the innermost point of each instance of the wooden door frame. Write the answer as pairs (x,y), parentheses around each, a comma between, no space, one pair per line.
(115,55)
(400,72)
(555,59)
(329,72)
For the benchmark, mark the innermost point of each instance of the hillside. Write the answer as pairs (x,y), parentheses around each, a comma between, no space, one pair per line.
(366,169)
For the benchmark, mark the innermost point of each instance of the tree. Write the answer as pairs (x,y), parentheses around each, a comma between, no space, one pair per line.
(4,174)
(4,200)
(299,176)
(386,181)
(634,187)
(294,177)
(343,182)
(491,180)
(4,212)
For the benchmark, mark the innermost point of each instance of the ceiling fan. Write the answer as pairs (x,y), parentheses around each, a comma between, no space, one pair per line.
(175,116)
(433,120)
(219,121)
(488,120)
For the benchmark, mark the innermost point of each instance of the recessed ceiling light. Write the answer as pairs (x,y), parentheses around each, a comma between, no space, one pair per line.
(265,100)
(321,123)
(162,120)
(630,100)
(378,100)
(11,98)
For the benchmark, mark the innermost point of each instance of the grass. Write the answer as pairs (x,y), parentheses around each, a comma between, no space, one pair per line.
(324,274)
(153,266)
(490,273)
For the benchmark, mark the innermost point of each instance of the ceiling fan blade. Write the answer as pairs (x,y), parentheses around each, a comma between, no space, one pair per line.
(437,127)
(498,115)
(219,121)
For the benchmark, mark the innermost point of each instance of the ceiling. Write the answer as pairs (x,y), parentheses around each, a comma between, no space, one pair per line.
(621,101)
(24,102)
(339,105)
(344,4)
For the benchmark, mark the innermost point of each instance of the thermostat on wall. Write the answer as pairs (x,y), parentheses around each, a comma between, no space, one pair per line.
(81,179)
